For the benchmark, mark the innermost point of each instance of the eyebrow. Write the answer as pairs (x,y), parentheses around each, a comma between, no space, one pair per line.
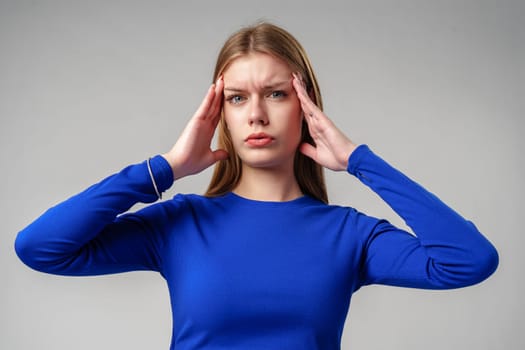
(265,88)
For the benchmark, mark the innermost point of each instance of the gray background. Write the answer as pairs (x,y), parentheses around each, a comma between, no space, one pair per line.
(434,87)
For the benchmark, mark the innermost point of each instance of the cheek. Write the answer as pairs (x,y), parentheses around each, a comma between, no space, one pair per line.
(229,118)
(295,122)
(232,122)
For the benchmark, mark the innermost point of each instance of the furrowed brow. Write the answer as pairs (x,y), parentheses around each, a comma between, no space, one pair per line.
(233,89)
(276,85)
(272,86)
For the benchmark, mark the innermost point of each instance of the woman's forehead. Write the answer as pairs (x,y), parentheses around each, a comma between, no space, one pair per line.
(257,69)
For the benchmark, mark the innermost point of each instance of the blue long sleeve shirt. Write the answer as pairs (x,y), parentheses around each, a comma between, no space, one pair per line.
(247,274)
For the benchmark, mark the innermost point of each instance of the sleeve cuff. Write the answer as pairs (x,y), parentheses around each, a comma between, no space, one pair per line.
(162,172)
(355,158)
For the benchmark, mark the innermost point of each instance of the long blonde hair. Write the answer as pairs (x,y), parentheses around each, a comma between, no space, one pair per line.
(270,39)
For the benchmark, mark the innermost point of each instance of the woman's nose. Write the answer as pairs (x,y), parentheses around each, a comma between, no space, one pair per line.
(258,113)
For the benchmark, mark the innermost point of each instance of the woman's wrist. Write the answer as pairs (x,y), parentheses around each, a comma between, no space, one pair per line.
(351,148)
(345,155)
(173,166)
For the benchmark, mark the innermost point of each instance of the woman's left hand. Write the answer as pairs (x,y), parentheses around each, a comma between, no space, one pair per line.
(332,148)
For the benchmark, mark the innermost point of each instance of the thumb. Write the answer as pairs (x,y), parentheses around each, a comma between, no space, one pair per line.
(308,150)
(219,154)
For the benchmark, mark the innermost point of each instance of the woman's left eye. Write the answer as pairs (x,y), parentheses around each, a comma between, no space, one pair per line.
(278,94)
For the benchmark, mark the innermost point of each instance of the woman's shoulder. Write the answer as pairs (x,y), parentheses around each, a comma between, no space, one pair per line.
(361,220)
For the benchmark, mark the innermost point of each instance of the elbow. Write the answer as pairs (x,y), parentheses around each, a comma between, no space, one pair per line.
(472,268)
(51,256)
(484,259)
(485,263)
(482,264)
(481,261)
(30,252)
(26,251)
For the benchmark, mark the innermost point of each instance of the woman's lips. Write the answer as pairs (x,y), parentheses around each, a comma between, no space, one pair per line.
(259,140)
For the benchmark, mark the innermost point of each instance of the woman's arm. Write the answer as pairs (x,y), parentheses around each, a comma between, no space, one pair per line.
(84,235)
(447,251)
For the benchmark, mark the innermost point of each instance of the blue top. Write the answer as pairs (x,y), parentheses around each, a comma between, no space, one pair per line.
(247,274)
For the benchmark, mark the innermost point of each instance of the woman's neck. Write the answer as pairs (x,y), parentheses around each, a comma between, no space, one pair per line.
(276,185)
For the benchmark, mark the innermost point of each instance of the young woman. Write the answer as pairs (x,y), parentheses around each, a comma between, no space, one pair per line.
(261,261)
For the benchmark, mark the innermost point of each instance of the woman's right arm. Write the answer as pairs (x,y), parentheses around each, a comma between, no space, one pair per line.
(85,235)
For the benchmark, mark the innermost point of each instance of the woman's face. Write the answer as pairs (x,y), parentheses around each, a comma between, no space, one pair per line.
(262,111)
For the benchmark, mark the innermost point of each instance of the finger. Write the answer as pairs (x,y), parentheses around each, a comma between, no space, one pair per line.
(301,96)
(206,102)
(214,157)
(217,101)
(310,114)
(306,101)
(299,84)
(308,150)
(310,109)
(220,154)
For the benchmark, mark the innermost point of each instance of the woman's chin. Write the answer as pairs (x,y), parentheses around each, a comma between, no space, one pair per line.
(267,162)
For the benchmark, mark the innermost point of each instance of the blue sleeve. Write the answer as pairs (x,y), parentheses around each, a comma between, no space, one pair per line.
(84,235)
(446,251)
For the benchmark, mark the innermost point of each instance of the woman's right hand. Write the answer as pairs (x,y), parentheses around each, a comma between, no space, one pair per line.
(192,152)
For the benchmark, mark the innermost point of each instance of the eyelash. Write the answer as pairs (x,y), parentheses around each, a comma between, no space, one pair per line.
(281,93)
(231,99)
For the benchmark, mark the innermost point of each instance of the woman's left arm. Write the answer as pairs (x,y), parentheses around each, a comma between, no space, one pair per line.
(447,251)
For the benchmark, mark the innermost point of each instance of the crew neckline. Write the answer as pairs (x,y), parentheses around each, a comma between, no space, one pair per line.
(243,200)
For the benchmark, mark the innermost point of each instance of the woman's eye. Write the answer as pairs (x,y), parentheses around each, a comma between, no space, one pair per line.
(278,94)
(234,99)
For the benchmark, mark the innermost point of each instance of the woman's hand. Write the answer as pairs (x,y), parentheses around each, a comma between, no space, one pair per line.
(332,148)
(192,152)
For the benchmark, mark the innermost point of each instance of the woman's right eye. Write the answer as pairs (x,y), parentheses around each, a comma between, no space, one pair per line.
(234,99)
